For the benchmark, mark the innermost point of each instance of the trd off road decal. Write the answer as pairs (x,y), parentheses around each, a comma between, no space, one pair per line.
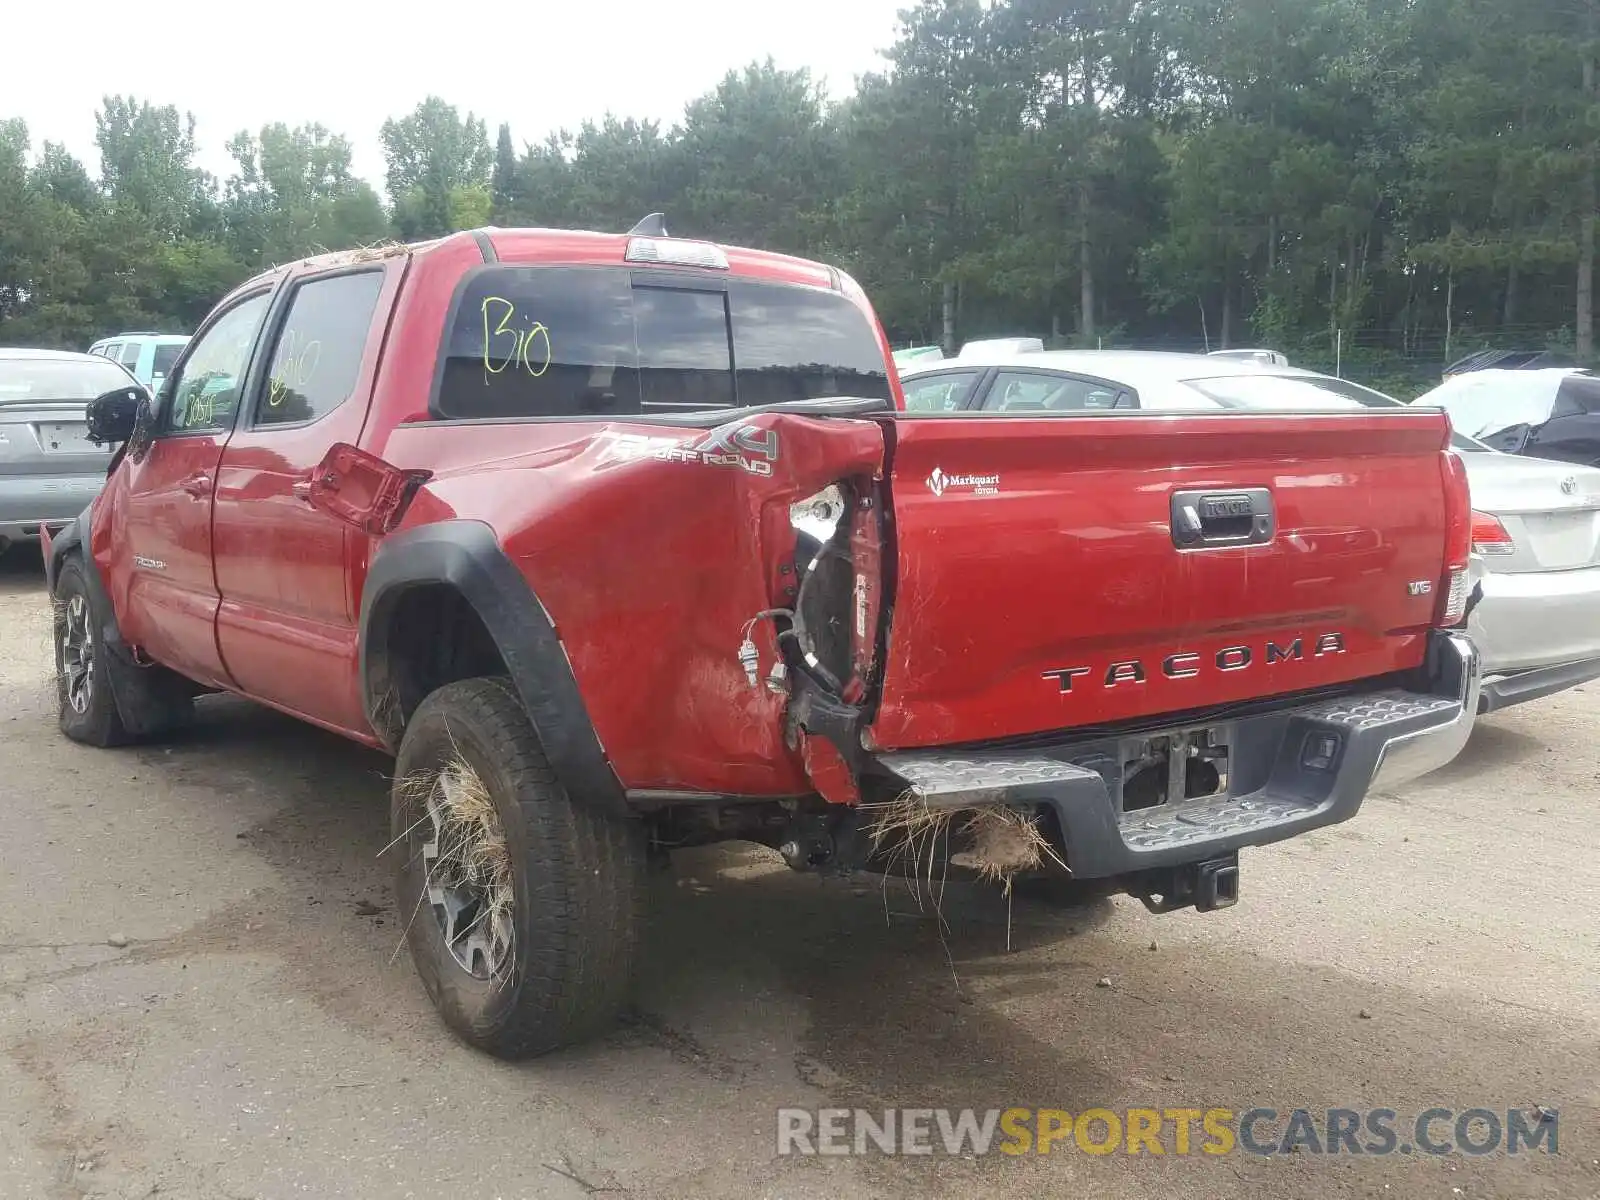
(747,447)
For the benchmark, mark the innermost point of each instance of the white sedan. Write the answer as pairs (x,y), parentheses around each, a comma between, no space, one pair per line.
(1536,524)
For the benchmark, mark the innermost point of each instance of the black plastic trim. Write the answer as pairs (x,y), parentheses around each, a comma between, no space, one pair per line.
(467,556)
(1503,691)
(64,543)
(712,418)
(485,245)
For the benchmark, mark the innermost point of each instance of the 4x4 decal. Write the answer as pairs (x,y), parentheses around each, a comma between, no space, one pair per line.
(748,447)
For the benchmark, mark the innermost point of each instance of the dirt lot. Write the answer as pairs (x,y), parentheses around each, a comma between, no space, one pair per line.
(203,997)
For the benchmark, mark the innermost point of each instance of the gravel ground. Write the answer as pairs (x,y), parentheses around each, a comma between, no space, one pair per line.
(203,995)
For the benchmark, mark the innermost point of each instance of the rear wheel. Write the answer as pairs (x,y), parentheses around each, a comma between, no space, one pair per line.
(523,907)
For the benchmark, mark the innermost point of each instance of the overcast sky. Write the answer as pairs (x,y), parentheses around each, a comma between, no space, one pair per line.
(539,65)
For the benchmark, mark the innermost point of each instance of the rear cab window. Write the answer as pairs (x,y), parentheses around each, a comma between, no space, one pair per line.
(528,342)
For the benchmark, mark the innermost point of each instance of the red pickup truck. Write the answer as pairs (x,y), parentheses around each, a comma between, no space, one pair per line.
(624,542)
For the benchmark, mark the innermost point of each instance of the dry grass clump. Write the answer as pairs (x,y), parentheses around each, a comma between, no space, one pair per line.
(914,837)
(1002,842)
(470,838)
(469,848)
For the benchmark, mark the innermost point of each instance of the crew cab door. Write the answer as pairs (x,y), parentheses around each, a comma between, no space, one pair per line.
(286,624)
(157,556)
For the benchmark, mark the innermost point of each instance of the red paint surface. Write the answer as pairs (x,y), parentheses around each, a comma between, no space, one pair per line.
(649,570)
(1071,564)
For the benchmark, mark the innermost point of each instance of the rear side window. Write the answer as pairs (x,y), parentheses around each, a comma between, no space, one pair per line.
(165,356)
(317,356)
(603,342)
(801,343)
(130,355)
(1578,395)
(943,392)
(1026,391)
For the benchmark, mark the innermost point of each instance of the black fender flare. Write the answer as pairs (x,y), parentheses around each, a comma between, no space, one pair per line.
(71,537)
(467,556)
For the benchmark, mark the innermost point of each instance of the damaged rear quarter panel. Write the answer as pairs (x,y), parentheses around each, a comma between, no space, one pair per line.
(651,546)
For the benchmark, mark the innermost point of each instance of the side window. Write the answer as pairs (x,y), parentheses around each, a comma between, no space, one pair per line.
(317,356)
(206,391)
(540,342)
(130,355)
(682,337)
(113,351)
(944,392)
(1020,391)
(166,355)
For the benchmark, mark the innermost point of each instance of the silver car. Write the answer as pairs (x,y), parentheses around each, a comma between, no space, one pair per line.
(1536,524)
(49,470)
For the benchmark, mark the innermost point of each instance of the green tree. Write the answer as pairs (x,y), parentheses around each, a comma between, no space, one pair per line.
(294,194)
(432,154)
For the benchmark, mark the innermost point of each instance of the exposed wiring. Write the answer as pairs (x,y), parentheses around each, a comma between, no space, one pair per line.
(766,614)
(799,624)
(749,656)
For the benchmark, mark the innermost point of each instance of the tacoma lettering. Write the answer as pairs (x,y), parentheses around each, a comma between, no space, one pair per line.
(1186,664)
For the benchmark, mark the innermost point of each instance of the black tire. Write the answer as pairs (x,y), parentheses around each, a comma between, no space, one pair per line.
(577,881)
(86,705)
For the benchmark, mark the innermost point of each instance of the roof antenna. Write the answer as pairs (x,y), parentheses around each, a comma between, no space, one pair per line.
(655,225)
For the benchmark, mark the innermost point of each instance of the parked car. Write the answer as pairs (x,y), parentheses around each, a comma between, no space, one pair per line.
(1536,525)
(911,354)
(1270,358)
(1509,360)
(1550,413)
(48,468)
(147,356)
(1004,345)
(597,534)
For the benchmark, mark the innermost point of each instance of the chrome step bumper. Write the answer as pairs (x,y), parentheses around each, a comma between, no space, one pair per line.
(1383,739)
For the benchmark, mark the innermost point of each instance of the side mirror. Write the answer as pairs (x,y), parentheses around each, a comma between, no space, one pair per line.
(112,416)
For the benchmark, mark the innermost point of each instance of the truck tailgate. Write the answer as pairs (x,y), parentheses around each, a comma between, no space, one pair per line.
(1069,571)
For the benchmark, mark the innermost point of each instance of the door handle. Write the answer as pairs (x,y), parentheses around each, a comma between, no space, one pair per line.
(1203,518)
(197,485)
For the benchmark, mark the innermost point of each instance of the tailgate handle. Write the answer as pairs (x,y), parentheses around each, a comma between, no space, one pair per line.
(1202,518)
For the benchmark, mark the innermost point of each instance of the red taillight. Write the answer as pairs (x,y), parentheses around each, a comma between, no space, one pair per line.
(1489,536)
(1458,536)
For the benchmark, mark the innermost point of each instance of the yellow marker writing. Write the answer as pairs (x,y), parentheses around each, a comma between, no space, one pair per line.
(528,348)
